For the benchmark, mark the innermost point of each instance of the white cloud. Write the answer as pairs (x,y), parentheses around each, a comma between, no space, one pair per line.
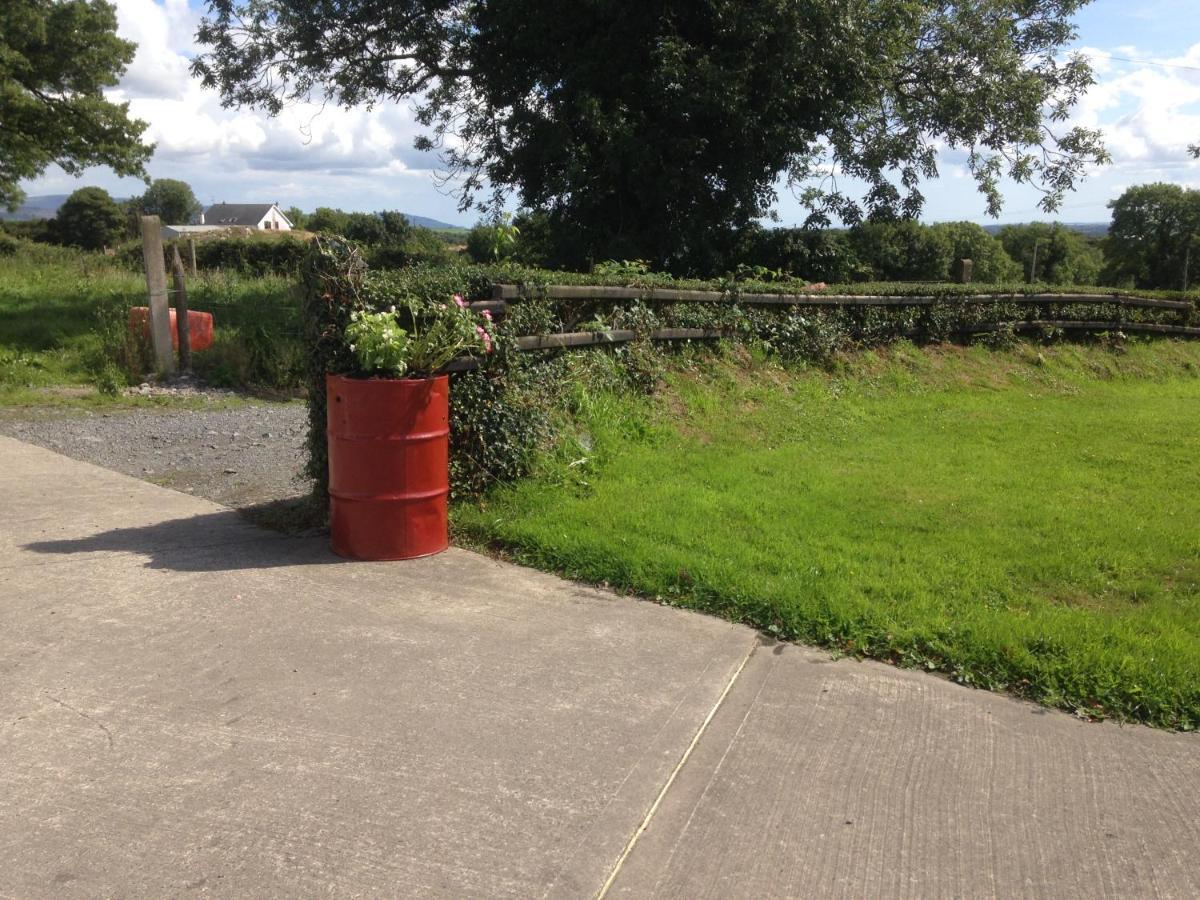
(163,36)
(188,123)
(1149,111)
(309,155)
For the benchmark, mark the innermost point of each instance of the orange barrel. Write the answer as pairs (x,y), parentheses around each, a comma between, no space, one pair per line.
(389,465)
(200,327)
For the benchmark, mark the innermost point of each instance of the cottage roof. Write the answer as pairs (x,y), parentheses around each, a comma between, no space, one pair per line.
(245,214)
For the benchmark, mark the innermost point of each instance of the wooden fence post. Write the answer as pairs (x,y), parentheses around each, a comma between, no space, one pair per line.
(181,312)
(156,285)
(192,248)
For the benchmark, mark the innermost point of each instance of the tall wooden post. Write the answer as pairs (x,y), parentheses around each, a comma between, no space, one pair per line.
(181,312)
(192,248)
(156,285)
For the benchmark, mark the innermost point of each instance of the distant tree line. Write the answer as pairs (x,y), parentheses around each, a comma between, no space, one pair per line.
(91,219)
(896,250)
(1153,241)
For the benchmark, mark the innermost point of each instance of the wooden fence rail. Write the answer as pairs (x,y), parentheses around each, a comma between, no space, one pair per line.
(501,293)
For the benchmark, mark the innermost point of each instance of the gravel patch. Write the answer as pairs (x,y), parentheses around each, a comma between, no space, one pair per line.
(244,457)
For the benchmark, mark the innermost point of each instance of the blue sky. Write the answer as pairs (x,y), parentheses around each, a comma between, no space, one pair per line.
(357,159)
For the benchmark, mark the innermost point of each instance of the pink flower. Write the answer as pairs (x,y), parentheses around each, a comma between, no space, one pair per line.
(487,314)
(458,298)
(485,337)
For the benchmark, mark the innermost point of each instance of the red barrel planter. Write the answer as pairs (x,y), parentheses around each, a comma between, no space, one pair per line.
(389,465)
(200,327)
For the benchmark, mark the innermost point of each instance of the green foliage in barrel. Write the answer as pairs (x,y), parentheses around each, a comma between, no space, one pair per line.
(338,285)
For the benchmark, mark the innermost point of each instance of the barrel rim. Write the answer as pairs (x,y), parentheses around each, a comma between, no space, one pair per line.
(380,380)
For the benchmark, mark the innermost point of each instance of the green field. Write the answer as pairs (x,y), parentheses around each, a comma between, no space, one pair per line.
(64,334)
(52,308)
(1023,520)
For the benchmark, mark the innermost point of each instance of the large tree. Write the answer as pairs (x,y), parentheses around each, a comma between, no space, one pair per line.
(903,250)
(171,200)
(1154,238)
(659,129)
(56,57)
(1062,256)
(90,219)
(991,264)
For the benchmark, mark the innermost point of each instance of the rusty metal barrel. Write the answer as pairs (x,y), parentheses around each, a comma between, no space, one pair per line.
(389,474)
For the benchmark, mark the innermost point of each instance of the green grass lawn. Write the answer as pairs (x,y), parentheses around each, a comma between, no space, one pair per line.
(1023,520)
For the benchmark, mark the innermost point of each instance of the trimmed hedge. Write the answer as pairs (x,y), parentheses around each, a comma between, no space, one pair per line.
(252,256)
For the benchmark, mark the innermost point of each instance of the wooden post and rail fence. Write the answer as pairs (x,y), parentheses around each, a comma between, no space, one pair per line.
(505,294)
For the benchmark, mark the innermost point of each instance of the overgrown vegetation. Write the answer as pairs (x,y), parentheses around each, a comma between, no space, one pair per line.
(62,321)
(64,326)
(1019,520)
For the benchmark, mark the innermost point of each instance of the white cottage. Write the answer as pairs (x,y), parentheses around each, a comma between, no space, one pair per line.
(263,216)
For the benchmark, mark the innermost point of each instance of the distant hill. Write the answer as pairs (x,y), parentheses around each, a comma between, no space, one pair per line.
(1087,229)
(425,222)
(43,207)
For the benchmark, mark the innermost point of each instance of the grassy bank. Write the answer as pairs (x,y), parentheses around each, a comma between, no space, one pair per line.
(1023,520)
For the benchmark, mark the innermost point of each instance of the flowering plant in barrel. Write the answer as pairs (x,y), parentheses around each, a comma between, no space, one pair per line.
(388,426)
(416,339)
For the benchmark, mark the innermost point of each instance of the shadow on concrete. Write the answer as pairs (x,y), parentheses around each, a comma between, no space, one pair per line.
(299,516)
(213,542)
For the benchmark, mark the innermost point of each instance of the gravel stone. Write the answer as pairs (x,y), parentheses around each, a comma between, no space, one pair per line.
(174,448)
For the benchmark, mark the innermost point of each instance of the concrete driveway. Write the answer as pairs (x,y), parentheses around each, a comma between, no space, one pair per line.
(190,704)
